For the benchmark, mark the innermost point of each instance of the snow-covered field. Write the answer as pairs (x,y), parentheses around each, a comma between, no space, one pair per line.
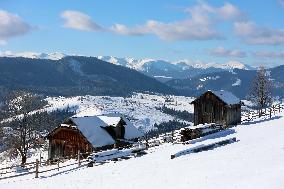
(142,109)
(256,160)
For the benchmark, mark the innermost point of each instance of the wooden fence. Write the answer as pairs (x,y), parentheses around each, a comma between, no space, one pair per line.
(254,114)
(34,167)
(176,136)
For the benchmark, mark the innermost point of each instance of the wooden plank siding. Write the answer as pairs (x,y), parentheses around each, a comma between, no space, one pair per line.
(208,108)
(66,142)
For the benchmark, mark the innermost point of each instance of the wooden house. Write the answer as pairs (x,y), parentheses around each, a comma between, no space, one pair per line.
(220,107)
(90,133)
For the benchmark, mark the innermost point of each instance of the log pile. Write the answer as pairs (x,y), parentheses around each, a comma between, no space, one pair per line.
(189,134)
(196,132)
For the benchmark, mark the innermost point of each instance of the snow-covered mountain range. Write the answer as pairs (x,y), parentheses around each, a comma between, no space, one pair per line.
(165,70)
(141,64)
(51,56)
(160,69)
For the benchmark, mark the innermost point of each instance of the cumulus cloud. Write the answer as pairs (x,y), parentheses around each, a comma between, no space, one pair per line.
(179,30)
(79,21)
(221,51)
(11,25)
(270,54)
(199,26)
(203,11)
(253,34)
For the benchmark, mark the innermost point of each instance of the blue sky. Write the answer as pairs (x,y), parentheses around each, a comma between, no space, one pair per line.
(251,32)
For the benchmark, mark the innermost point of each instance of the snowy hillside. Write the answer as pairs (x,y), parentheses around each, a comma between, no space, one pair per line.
(140,108)
(254,161)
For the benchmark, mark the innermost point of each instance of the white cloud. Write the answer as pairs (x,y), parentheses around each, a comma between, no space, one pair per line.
(270,54)
(11,25)
(179,30)
(221,51)
(230,12)
(79,21)
(200,25)
(253,34)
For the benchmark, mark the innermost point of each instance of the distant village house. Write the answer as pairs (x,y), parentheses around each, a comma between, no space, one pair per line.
(220,107)
(89,133)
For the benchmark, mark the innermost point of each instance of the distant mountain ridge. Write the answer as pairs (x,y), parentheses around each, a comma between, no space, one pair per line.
(237,81)
(139,64)
(34,55)
(162,70)
(58,74)
(74,75)
(175,70)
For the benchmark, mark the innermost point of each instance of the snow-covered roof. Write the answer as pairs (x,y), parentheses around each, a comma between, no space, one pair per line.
(110,120)
(227,97)
(131,131)
(91,127)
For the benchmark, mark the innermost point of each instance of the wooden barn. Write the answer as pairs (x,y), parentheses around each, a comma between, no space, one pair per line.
(220,107)
(90,133)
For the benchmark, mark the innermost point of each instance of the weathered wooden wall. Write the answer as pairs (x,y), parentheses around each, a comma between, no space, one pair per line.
(210,109)
(65,142)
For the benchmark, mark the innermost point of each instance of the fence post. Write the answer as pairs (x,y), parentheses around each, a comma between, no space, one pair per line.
(274,109)
(40,157)
(248,116)
(270,111)
(147,144)
(58,164)
(79,162)
(36,171)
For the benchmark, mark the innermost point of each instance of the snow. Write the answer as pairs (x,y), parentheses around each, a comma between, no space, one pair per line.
(91,129)
(111,154)
(139,64)
(131,132)
(162,76)
(254,161)
(51,56)
(143,110)
(227,97)
(209,78)
(237,82)
(113,121)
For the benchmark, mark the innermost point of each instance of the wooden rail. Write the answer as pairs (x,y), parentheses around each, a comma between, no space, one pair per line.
(254,114)
(34,166)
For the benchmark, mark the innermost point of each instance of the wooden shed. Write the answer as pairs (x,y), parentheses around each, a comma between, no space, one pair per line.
(220,107)
(89,133)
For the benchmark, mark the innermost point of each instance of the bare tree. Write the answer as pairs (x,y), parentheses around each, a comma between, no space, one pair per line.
(18,105)
(261,89)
